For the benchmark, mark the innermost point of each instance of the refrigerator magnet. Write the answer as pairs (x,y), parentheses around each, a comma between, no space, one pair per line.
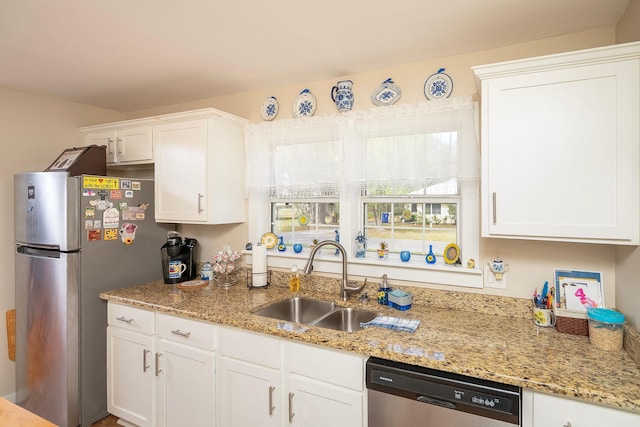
(110,234)
(93,235)
(128,233)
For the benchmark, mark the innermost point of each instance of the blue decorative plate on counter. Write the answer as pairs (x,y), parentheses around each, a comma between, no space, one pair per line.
(438,85)
(304,105)
(387,93)
(269,109)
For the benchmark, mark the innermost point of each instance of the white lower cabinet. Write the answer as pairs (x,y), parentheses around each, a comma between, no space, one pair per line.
(326,387)
(131,383)
(554,411)
(267,381)
(161,369)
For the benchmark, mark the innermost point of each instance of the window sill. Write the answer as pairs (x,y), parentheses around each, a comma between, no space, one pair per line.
(416,270)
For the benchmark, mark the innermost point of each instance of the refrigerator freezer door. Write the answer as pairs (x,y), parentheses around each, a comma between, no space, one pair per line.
(47,353)
(46,210)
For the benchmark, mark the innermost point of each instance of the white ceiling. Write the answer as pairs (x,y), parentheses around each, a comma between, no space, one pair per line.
(128,55)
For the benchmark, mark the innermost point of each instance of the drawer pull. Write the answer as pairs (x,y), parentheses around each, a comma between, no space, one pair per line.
(158,364)
(271,407)
(182,334)
(291,413)
(124,319)
(144,360)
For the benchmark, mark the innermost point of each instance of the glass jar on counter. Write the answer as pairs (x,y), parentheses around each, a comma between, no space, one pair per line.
(606,328)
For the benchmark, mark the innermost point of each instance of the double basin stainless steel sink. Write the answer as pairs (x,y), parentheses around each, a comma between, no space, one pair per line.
(314,312)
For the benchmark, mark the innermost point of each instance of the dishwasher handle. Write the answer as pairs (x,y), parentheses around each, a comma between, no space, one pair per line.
(437,402)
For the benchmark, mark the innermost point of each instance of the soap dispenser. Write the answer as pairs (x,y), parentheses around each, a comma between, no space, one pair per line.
(383,291)
(294,279)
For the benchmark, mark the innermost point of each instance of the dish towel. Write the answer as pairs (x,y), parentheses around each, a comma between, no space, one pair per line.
(393,323)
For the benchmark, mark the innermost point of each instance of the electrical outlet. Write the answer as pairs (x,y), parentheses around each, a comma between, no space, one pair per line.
(490,279)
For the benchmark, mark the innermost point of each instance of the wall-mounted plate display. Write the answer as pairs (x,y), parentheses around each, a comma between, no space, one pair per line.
(304,105)
(387,93)
(438,85)
(269,109)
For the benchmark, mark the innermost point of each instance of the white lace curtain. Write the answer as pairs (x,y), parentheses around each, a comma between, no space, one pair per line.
(429,145)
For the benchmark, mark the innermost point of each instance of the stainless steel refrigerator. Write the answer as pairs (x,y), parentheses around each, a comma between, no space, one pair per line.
(75,238)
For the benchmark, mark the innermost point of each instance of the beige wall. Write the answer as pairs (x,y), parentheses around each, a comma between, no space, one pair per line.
(35,130)
(628,28)
(531,263)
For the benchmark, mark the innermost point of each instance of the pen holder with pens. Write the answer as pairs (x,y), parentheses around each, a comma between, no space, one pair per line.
(543,316)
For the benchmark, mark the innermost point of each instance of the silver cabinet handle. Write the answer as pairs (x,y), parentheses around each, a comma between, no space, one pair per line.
(110,145)
(182,334)
(495,215)
(144,360)
(124,319)
(291,413)
(119,145)
(158,364)
(200,197)
(271,407)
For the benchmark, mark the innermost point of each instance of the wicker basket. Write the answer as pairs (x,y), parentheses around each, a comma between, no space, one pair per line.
(571,322)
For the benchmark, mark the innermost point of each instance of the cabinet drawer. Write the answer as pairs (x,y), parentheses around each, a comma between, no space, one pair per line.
(332,366)
(131,318)
(187,331)
(251,347)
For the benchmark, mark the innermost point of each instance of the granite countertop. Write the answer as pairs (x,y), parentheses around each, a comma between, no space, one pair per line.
(453,336)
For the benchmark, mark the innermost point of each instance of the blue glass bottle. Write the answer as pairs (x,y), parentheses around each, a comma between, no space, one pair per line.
(281,245)
(430,258)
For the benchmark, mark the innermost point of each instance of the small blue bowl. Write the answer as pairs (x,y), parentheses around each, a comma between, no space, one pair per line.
(405,256)
(297,247)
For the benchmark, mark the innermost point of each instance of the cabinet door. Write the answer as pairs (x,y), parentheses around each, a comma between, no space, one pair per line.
(134,145)
(106,138)
(131,386)
(186,389)
(559,154)
(553,411)
(181,171)
(316,404)
(248,395)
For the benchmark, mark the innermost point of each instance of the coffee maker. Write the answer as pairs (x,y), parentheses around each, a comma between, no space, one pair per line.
(179,258)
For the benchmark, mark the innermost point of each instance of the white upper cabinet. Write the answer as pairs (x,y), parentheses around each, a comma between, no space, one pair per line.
(199,168)
(560,146)
(126,145)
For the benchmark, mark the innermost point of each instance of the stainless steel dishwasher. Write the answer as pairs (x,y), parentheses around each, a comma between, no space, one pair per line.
(407,395)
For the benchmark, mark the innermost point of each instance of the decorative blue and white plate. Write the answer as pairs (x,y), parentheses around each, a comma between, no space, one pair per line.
(438,85)
(387,93)
(269,109)
(304,105)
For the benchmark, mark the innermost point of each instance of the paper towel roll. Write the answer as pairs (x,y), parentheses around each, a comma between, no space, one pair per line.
(259,267)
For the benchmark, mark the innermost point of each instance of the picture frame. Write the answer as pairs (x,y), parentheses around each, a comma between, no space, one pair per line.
(574,290)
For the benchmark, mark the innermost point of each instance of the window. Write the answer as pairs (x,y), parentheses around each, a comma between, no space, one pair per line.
(305,221)
(407,175)
(412,226)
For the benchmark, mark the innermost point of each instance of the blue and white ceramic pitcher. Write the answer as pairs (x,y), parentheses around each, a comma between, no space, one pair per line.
(342,95)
